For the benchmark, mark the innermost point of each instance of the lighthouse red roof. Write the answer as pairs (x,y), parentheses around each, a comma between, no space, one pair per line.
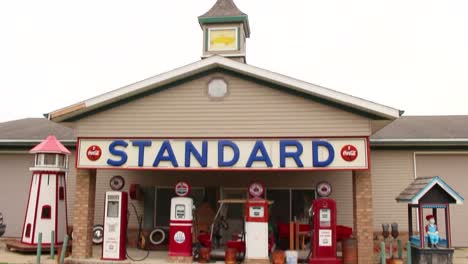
(50,145)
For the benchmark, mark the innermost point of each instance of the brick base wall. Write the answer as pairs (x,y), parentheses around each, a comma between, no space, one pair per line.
(363,216)
(83,216)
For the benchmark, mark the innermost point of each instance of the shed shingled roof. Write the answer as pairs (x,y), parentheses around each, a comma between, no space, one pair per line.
(430,127)
(421,186)
(223,8)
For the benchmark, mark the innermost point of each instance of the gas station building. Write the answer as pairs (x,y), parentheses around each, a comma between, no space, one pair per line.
(220,124)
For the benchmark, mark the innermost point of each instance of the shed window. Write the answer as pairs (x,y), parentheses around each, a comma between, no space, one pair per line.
(28,230)
(61,193)
(46,212)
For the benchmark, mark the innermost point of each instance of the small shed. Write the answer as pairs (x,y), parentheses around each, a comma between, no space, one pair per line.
(433,193)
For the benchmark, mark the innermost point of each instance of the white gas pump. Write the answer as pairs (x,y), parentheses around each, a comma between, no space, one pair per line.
(115,226)
(181,224)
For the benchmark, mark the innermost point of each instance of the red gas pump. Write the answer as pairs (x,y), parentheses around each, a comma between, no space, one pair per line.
(181,223)
(256,225)
(324,234)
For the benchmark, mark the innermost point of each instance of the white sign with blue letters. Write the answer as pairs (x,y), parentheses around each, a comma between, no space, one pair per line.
(302,153)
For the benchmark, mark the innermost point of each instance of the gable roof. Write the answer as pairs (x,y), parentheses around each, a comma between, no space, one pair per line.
(31,131)
(418,188)
(424,130)
(214,62)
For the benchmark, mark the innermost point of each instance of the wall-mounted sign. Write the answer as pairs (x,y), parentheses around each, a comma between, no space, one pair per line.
(222,39)
(93,152)
(302,153)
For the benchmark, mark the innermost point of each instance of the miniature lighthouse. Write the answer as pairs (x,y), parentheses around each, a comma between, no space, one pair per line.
(47,204)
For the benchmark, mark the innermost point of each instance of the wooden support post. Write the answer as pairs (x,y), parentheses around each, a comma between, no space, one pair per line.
(64,249)
(410,220)
(39,248)
(383,257)
(409,258)
(400,249)
(447,226)
(291,235)
(421,226)
(52,245)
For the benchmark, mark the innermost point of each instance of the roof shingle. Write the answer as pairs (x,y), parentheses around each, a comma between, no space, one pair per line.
(34,129)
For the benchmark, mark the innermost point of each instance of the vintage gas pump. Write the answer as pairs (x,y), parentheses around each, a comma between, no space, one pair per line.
(181,223)
(256,225)
(324,233)
(115,226)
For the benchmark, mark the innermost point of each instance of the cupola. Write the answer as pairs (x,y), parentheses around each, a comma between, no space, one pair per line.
(225,29)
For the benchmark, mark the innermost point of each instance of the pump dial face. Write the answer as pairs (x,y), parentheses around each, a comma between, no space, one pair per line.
(324,189)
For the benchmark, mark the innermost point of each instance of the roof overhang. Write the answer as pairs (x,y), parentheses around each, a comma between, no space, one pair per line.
(419,142)
(244,19)
(32,142)
(435,181)
(374,109)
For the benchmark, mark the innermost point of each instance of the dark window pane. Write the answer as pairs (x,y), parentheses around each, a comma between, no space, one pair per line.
(301,202)
(279,210)
(45,214)
(61,193)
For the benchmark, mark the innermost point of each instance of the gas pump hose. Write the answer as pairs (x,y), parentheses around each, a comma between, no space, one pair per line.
(140,221)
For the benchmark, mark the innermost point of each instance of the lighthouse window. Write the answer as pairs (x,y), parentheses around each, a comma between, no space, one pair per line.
(61,193)
(49,159)
(61,161)
(28,230)
(46,211)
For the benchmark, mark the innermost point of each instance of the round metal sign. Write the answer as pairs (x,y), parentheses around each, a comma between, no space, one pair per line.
(349,153)
(182,189)
(256,189)
(324,189)
(117,183)
(93,153)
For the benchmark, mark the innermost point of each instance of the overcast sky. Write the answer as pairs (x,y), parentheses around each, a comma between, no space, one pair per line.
(411,55)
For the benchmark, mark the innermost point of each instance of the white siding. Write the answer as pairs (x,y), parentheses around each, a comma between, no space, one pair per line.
(249,109)
(453,169)
(392,171)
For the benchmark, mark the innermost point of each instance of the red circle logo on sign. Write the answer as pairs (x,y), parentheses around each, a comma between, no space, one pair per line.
(93,153)
(182,189)
(349,152)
